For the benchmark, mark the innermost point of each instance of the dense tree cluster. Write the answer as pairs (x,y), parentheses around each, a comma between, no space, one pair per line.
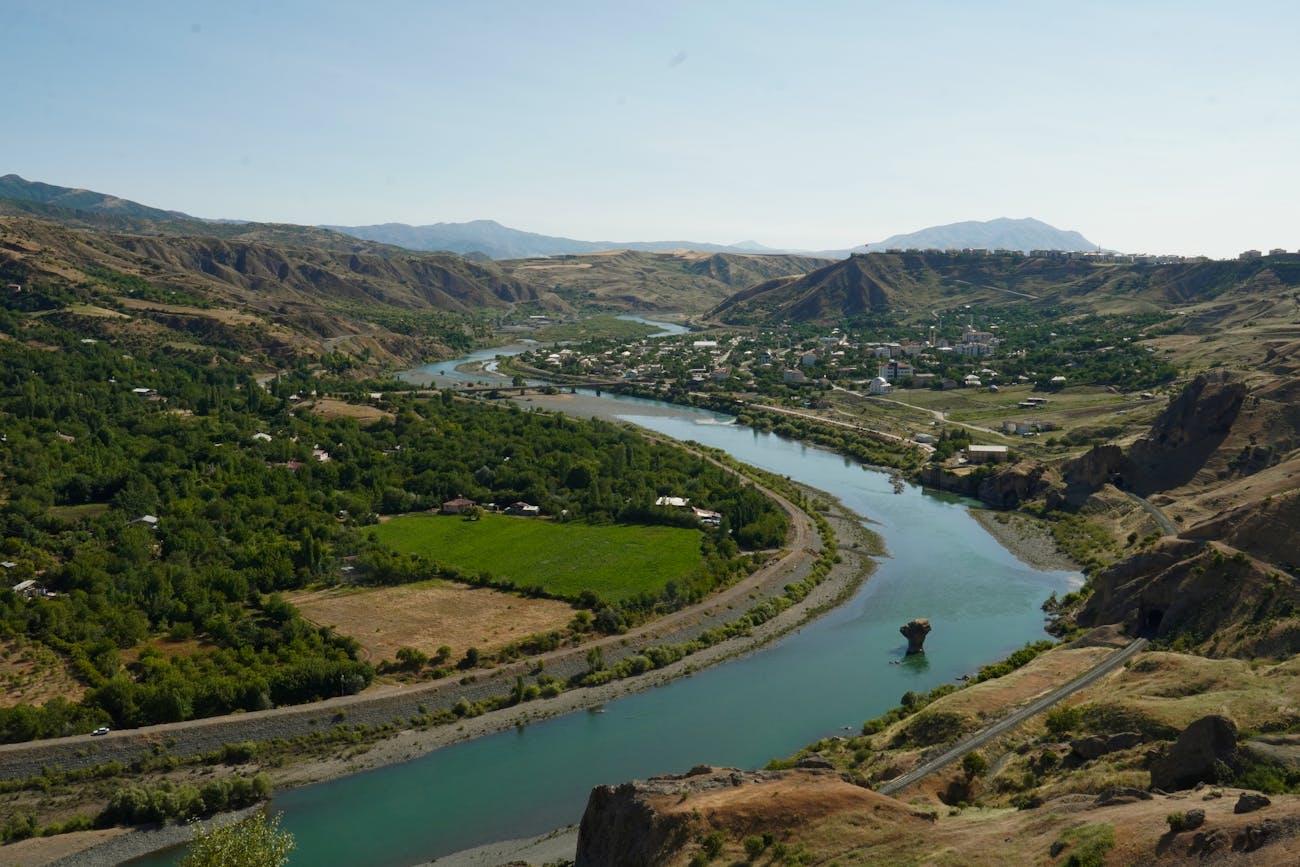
(97,443)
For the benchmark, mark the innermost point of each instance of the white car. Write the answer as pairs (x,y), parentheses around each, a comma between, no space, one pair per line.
(102,730)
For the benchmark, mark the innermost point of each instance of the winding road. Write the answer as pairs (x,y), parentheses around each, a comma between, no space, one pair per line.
(1166,526)
(1006,724)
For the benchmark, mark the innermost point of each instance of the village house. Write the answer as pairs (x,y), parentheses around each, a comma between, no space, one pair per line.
(523,510)
(707,517)
(794,377)
(880,385)
(29,589)
(977,454)
(458,506)
(673,502)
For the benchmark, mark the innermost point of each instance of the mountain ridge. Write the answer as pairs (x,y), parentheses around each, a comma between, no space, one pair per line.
(504,242)
(1002,233)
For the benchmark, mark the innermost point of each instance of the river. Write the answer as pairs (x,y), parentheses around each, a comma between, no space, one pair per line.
(826,679)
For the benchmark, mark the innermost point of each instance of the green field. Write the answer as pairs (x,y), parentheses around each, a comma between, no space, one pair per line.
(616,562)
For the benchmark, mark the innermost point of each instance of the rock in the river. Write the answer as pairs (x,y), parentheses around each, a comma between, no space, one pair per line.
(915,632)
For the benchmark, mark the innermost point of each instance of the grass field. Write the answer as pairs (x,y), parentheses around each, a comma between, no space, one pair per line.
(615,562)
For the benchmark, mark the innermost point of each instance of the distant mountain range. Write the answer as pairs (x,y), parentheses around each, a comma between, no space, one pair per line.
(502,242)
(1000,234)
(488,237)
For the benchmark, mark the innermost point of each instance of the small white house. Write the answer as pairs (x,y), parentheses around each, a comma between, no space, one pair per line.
(880,385)
(707,517)
(673,502)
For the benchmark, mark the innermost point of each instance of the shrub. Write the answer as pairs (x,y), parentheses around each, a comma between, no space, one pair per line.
(934,727)
(974,764)
(1064,720)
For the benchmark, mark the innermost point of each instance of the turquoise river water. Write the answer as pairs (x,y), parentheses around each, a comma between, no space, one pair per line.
(825,679)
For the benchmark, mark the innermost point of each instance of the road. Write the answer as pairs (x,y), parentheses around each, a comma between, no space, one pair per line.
(812,416)
(1166,526)
(1008,723)
(938,414)
(396,702)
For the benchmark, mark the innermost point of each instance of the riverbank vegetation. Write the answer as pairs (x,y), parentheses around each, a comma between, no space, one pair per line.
(55,800)
(160,502)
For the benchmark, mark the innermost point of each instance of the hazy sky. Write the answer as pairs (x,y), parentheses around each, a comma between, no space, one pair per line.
(1147,126)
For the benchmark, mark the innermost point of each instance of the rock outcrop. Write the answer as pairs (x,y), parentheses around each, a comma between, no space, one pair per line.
(1180,442)
(1186,434)
(1249,802)
(915,631)
(652,822)
(1201,752)
(1095,746)
(1009,486)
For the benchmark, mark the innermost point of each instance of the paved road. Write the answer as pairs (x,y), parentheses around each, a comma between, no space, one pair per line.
(1166,526)
(397,702)
(1006,724)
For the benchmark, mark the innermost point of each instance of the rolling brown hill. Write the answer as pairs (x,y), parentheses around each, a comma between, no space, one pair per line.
(915,283)
(285,300)
(682,280)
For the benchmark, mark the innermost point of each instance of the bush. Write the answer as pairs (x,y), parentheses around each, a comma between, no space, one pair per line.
(974,764)
(934,727)
(712,844)
(1064,720)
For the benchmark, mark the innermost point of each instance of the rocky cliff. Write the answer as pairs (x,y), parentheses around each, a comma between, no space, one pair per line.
(667,820)
(1206,595)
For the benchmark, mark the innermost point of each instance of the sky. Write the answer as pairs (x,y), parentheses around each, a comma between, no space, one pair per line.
(1160,127)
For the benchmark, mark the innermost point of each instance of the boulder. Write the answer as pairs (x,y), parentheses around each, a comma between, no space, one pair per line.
(1197,754)
(915,631)
(1208,842)
(1118,795)
(1095,746)
(815,760)
(1193,819)
(1249,802)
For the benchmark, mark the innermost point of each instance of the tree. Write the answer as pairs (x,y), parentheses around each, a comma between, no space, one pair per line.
(974,764)
(253,842)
